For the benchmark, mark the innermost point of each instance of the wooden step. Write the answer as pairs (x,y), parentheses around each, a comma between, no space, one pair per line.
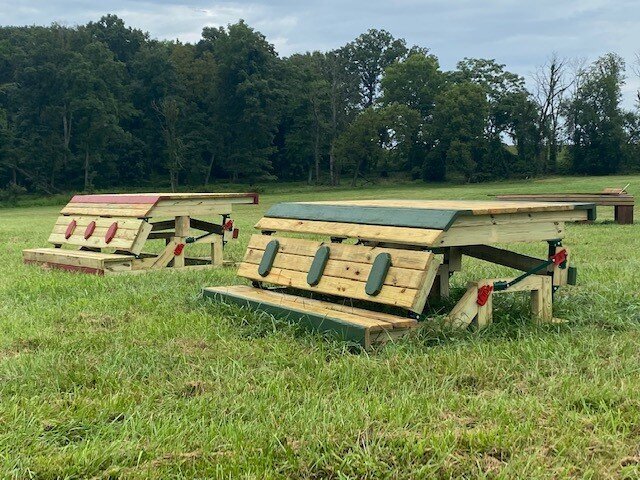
(362,326)
(87,262)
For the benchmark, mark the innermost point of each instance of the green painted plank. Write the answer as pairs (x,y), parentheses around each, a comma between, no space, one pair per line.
(378,273)
(384,216)
(314,322)
(317,266)
(269,255)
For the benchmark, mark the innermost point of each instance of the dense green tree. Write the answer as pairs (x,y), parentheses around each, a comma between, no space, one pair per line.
(359,147)
(307,114)
(368,57)
(415,82)
(596,122)
(247,96)
(459,123)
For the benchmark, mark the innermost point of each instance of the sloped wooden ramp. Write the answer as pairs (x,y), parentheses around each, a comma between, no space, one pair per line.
(106,234)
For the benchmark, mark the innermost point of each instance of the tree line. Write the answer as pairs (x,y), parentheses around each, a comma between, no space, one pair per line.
(104,105)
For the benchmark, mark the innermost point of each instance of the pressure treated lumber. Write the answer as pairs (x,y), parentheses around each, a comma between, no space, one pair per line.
(124,223)
(357,325)
(396,253)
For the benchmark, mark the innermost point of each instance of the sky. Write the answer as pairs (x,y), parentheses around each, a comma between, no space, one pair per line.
(520,34)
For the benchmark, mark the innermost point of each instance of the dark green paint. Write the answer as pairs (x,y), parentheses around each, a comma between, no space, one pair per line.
(383,216)
(314,322)
(378,273)
(572,276)
(317,266)
(268,257)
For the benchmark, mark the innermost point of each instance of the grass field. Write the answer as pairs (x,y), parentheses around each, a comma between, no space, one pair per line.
(138,377)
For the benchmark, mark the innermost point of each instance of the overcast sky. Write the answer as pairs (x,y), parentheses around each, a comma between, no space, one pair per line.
(518,33)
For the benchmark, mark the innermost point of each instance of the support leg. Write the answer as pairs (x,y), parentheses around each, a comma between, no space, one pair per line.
(443,280)
(216,252)
(541,301)
(485,312)
(183,225)
(623,214)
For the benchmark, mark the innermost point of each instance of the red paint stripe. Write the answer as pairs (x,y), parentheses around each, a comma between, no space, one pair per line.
(118,199)
(70,268)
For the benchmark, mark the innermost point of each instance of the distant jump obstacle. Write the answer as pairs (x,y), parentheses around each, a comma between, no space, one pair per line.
(370,277)
(106,234)
(618,198)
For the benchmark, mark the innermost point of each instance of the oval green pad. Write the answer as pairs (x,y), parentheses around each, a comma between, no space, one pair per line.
(317,266)
(268,257)
(378,273)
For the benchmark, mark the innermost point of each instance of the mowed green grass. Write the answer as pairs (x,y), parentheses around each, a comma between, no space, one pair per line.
(139,377)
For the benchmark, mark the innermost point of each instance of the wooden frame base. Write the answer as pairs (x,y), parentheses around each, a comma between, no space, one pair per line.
(467,309)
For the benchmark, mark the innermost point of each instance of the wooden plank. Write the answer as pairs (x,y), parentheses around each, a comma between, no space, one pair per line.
(81,254)
(193,207)
(502,257)
(605,199)
(465,310)
(408,259)
(460,236)
(477,207)
(368,318)
(127,236)
(528,218)
(542,300)
(426,286)
(400,235)
(106,210)
(533,282)
(182,232)
(316,322)
(398,277)
(163,260)
(396,296)
(78,260)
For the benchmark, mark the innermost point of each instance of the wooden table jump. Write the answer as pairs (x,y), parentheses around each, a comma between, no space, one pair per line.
(618,198)
(379,255)
(106,234)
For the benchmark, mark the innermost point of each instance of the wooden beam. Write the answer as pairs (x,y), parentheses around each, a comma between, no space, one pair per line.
(207,226)
(499,256)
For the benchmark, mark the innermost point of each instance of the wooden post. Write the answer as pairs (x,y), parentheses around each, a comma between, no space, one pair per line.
(216,251)
(183,225)
(623,214)
(485,312)
(465,310)
(541,301)
(443,280)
